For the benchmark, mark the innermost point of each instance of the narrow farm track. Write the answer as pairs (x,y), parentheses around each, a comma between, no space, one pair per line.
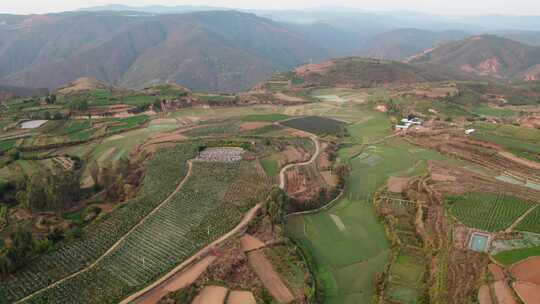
(120,241)
(520,219)
(289,166)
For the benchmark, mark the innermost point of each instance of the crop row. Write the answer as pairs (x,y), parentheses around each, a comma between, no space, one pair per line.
(531,222)
(98,237)
(195,217)
(488,212)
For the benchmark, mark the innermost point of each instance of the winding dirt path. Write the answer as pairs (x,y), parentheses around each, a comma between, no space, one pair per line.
(120,241)
(289,166)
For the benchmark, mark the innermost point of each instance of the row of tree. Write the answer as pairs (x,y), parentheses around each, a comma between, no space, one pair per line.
(57,190)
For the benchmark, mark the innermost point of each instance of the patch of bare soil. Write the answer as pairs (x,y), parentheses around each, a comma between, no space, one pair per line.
(527,270)
(503,293)
(497,272)
(484,295)
(398,184)
(299,186)
(250,243)
(313,68)
(241,297)
(232,268)
(330,178)
(211,295)
(81,85)
(528,293)
(323,162)
(381,108)
(178,281)
(253,125)
(287,98)
(530,122)
(463,268)
(292,155)
(269,277)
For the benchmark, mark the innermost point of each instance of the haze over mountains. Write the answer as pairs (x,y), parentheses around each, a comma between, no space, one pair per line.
(216,49)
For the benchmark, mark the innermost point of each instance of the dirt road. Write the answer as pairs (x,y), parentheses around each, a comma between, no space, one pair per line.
(121,240)
(289,166)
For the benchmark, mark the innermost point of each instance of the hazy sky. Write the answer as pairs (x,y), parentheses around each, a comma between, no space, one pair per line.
(525,7)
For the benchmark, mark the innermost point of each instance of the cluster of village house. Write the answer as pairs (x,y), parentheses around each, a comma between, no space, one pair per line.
(411,121)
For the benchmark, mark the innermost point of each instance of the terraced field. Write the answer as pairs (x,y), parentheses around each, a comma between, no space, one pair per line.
(347,242)
(98,237)
(193,218)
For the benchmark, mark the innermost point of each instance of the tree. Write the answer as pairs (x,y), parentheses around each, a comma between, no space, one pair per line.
(276,206)
(53,191)
(157,105)
(93,168)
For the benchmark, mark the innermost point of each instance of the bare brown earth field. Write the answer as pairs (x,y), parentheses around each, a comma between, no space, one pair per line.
(211,295)
(397,184)
(527,270)
(250,243)
(484,295)
(178,281)
(496,271)
(503,293)
(528,293)
(241,297)
(269,277)
(253,125)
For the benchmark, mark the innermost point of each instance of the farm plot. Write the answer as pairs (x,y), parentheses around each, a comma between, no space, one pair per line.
(98,237)
(510,257)
(486,211)
(316,125)
(195,217)
(405,279)
(531,222)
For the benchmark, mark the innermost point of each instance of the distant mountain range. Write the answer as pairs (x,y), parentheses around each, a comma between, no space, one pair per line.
(219,51)
(216,49)
(487,55)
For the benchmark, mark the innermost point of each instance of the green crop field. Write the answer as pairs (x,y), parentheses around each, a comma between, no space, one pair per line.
(193,218)
(490,111)
(264,117)
(531,222)
(347,261)
(99,236)
(515,255)
(270,166)
(317,125)
(7,144)
(405,279)
(486,211)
